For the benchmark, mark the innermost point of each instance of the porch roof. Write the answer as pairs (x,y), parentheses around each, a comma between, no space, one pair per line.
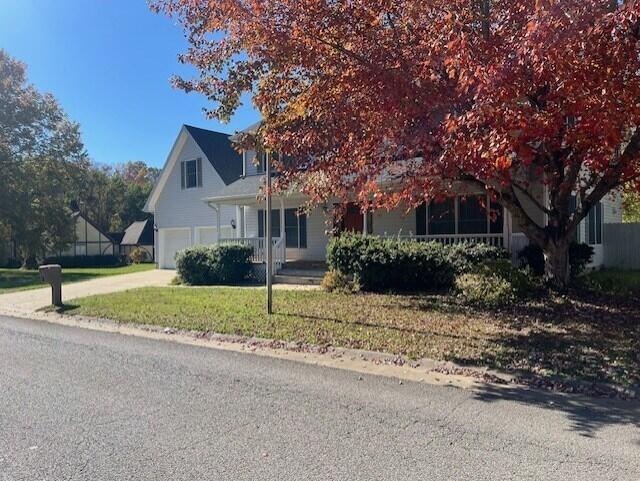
(242,190)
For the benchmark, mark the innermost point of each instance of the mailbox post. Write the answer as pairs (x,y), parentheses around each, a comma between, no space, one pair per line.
(53,275)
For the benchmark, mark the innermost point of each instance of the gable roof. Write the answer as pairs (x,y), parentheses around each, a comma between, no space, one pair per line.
(78,214)
(217,147)
(219,150)
(138,233)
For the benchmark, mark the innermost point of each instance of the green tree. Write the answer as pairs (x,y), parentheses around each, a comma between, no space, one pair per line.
(114,197)
(42,160)
(630,205)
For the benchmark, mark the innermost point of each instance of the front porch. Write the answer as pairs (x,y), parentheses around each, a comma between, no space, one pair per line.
(303,235)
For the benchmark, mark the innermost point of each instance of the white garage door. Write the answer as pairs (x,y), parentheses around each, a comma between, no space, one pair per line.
(172,241)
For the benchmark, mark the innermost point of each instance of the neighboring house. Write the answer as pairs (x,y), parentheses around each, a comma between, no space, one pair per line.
(139,235)
(208,193)
(90,240)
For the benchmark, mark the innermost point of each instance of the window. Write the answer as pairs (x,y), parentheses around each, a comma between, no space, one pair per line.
(275,223)
(472,216)
(594,224)
(496,219)
(261,159)
(442,217)
(191,173)
(295,227)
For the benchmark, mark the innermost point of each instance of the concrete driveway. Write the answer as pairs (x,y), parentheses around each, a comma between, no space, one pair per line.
(27,302)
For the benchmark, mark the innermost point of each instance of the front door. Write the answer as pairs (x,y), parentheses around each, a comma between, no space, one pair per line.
(353,221)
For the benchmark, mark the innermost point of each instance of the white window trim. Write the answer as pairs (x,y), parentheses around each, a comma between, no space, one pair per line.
(186,177)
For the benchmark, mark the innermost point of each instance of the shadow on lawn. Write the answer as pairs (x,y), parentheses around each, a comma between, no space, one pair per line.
(581,337)
(586,414)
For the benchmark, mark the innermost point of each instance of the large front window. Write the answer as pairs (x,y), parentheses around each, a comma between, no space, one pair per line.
(442,217)
(462,215)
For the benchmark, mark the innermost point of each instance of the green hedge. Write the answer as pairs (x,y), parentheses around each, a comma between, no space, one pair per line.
(495,283)
(210,265)
(378,264)
(467,256)
(87,261)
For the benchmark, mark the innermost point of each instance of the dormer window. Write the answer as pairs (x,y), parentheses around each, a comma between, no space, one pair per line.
(191,173)
(262,161)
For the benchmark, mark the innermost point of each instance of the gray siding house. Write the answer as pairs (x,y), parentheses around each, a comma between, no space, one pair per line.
(208,193)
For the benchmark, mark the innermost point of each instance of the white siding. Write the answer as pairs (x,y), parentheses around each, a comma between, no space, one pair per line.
(89,241)
(177,207)
(394,222)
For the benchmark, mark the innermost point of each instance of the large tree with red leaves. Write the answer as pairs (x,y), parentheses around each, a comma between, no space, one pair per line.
(436,95)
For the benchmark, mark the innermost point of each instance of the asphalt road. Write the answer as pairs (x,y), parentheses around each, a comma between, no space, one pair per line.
(79,404)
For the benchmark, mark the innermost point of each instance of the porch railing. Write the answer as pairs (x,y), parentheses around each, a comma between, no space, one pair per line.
(491,239)
(259,245)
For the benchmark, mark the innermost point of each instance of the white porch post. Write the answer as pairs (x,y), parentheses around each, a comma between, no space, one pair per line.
(239,222)
(218,222)
(507,228)
(365,223)
(281,218)
(282,231)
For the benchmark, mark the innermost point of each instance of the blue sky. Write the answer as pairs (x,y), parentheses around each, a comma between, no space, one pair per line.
(108,62)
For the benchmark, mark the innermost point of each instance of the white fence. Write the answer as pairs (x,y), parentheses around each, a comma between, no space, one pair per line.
(491,239)
(621,245)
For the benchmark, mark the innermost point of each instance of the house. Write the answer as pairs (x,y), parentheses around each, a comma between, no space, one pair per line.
(208,193)
(90,240)
(139,235)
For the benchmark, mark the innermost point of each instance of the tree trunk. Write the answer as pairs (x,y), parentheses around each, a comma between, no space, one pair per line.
(556,263)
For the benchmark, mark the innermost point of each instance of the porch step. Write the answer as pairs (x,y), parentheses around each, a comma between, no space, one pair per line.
(297,279)
(289,271)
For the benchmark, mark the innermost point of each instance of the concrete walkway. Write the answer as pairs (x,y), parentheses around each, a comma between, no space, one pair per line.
(27,302)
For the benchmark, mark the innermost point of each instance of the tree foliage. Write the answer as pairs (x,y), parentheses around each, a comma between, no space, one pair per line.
(436,94)
(114,196)
(41,160)
(630,205)
(46,173)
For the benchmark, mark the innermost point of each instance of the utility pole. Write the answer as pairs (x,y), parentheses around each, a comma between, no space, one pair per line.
(268,234)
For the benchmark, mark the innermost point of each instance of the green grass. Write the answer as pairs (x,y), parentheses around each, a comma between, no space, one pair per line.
(570,338)
(17,280)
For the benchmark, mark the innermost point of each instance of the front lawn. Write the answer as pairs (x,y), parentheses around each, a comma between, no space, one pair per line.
(18,280)
(567,337)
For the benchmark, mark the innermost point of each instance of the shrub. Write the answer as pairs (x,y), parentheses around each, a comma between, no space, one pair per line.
(138,256)
(234,262)
(334,281)
(467,256)
(494,284)
(532,257)
(580,255)
(209,265)
(86,261)
(380,264)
